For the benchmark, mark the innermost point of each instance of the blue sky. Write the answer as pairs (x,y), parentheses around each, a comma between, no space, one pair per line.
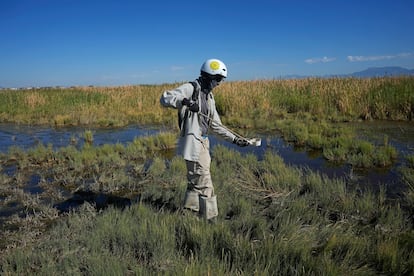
(107,43)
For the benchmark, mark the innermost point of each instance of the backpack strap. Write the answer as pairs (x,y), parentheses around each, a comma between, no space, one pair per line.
(196,90)
(183,115)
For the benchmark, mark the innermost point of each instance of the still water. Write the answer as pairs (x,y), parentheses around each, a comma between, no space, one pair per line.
(400,135)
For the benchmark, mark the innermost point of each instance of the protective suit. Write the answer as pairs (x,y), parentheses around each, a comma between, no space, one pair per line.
(201,116)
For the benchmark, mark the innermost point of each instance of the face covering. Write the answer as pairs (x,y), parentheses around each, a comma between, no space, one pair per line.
(208,84)
(213,84)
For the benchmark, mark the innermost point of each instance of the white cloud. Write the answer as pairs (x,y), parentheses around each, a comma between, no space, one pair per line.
(376,58)
(368,58)
(318,60)
(404,55)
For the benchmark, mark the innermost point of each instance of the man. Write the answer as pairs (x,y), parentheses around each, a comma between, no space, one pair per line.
(198,115)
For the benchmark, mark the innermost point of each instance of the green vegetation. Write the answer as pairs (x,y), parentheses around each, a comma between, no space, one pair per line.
(408,176)
(242,103)
(273,219)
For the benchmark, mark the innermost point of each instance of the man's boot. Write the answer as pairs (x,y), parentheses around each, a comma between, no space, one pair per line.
(208,207)
(191,201)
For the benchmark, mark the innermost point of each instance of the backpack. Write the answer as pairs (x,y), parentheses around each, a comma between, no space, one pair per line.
(183,112)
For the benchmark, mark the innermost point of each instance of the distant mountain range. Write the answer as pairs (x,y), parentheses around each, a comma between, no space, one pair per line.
(383,71)
(367,73)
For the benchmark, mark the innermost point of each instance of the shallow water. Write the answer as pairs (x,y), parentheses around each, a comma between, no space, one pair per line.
(400,135)
(25,136)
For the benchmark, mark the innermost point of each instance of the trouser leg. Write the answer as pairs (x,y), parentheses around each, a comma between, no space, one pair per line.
(199,179)
(198,173)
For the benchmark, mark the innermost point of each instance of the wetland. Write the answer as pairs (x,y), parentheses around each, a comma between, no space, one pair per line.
(90,182)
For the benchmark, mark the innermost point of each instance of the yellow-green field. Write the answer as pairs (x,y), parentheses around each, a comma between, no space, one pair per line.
(242,103)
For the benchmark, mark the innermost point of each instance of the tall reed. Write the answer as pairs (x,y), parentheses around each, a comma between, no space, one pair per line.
(333,98)
(248,103)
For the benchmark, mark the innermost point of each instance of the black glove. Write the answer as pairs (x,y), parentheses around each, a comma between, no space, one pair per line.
(241,142)
(193,106)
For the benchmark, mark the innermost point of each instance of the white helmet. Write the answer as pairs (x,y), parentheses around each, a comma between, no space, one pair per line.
(214,67)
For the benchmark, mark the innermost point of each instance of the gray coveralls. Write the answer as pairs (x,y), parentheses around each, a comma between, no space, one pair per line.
(194,143)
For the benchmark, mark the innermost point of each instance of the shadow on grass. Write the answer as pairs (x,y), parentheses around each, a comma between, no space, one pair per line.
(99,200)
(102,201)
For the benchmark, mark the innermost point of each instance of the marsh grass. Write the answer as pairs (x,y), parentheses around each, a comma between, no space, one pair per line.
(303,110)
(273,219)
(338,143)
(407,173)
(102,106)
(333,99)
(241,103)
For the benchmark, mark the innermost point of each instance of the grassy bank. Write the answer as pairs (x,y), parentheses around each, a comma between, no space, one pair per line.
(241,103)
(273,219)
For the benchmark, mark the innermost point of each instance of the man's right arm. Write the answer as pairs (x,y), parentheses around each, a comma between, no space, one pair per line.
(173,98)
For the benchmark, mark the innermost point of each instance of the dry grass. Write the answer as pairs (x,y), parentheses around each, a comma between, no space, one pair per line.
(349,98)
(246,103)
